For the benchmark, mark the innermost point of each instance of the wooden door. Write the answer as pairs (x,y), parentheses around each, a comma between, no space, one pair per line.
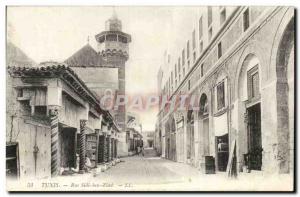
(254,137)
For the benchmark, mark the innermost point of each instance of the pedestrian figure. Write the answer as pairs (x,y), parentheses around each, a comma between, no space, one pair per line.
(142,151)
(138,150)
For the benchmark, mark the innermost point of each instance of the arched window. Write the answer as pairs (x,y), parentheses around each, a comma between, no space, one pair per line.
(190,117)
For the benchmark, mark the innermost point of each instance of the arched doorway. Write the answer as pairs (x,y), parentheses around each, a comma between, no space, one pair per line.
(204,124)
(179,137)
(250,136)
(167,140)
(190,136)
(173,140)
(285,98)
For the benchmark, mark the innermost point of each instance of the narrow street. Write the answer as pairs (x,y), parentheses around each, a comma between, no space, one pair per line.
(149,170)
(151,173)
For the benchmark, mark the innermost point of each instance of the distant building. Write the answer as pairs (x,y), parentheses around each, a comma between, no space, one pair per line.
(148,139)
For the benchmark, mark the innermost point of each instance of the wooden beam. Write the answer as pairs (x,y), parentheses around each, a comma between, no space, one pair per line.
(73,94)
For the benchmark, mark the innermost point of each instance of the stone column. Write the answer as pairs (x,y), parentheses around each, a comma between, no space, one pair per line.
(105,149)
(82,146)
(55,159)
(116,148)
(185,139)
(109,148)
(97,131)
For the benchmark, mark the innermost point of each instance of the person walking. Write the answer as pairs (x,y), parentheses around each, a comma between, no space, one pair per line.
(138,150)
(142,151)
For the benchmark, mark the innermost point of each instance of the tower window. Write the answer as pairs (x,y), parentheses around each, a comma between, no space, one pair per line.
(102,39)
(246,19)
(111,37)
(122,39)
(219,50)
(194,56)
(189,84)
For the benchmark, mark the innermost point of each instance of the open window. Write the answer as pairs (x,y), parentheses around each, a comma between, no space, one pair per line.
(220,94)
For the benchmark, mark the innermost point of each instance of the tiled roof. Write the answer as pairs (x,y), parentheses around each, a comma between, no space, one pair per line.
(56,70)
(86,56)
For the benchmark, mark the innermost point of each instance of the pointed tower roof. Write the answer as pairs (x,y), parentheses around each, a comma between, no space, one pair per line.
(16,57)
(86,56)
(113,23)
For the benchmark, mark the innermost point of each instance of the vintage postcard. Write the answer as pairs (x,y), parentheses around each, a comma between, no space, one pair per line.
(150,98)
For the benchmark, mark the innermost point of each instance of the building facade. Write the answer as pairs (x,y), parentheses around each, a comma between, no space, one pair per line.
(103,69)
(54,113)
(52,117)
(239,64)
(148,139)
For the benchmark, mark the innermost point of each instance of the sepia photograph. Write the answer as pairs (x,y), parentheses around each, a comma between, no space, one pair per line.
(150,98)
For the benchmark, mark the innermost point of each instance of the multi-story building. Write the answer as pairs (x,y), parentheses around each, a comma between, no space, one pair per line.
(239,62)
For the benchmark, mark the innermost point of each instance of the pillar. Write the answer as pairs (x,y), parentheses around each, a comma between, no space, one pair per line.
(112,149)
(108,141)
(105,159)
(82,146)
(55,159)
(107,148)
(97,131)
(116,148)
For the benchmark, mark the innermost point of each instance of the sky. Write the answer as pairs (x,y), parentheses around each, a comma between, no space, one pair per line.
(55,33)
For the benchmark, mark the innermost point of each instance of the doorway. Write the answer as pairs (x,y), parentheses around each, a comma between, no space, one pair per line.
(68,147)
(205,122)
(222,152)
(254,137)
(168,148)
(12,160)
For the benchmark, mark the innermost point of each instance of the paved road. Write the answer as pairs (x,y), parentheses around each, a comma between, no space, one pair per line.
(148,170)
(153,173)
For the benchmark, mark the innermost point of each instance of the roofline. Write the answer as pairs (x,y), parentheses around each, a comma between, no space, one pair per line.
(113,32)
(63,72)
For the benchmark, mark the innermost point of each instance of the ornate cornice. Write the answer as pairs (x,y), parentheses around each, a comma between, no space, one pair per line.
(114,52)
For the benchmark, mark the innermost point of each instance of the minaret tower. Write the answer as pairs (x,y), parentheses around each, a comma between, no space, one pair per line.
(113,47)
